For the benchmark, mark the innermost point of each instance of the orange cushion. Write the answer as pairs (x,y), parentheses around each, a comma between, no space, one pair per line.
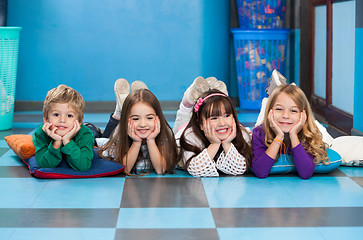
(21,144)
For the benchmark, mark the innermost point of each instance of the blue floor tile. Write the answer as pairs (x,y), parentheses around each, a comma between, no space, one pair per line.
(81,193)
(270,233)
(3,144)
(20,192)
(242,192)
(338,233)
(26,124)
(352,171)
(165,218)
(10,159)
(324,191)
(5,233)
(96,117)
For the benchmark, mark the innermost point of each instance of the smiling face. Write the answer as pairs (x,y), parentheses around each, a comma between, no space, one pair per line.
(285,112)
(62,116)
(143,116)
(222,124)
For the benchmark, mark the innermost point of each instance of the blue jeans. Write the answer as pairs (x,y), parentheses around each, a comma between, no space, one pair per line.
(111,125)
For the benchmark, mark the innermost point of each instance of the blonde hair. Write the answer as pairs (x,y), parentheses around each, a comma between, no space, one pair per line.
(64,94)
(309,136)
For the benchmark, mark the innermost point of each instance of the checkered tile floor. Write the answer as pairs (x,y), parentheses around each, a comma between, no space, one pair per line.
(176,206)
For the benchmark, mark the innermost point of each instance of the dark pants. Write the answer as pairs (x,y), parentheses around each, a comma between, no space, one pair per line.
(98,133)
(111,125)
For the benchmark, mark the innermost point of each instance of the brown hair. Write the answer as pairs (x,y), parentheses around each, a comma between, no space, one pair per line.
(64,94)
(119,143)
(213,107)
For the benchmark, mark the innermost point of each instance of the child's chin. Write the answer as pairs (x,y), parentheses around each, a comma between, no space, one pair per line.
(61,132)
(143,136)
(286,130)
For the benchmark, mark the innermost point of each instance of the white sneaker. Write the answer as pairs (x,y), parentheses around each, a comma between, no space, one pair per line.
(199,86)
(221,86)
(122,90)
(138,85)
(276,80)
(214,83)
(211,81)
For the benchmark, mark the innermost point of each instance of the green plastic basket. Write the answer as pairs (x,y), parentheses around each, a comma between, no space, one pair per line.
(9,45)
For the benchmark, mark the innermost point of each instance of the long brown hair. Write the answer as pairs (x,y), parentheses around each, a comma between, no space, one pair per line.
(213,107)
(309,136)
(120,142)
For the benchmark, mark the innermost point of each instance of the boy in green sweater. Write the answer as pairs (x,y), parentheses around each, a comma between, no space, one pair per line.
(62,135)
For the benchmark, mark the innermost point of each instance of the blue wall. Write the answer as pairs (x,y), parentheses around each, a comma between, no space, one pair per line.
(89,44)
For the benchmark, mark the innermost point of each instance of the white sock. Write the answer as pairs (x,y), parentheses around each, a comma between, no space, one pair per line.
(117,113)
(186,101)
(182,117)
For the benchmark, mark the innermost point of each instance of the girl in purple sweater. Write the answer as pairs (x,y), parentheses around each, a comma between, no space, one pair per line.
(288,127)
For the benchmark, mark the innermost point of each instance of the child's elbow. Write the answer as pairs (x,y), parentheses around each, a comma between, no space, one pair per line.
(307,172)
(160,171)
(84,168)
(261,175)
(305,176)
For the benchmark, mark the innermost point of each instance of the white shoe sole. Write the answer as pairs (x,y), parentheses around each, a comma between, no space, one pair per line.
(138,85)
(211,81)
(200,85)
(221,86)
(277,79)
(122,90)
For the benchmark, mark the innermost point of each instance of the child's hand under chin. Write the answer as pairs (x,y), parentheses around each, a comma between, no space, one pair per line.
(132,132)
(68,136)
(277,130)
(232,134)
(50,130)
(299,125)
(156,130)
(210,133)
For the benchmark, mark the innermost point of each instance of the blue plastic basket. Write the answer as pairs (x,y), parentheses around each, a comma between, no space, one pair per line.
(9,45)
(261,14)
(257,53)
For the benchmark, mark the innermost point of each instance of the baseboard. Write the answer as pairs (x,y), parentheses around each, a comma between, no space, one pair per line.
(91,106)
(20,106)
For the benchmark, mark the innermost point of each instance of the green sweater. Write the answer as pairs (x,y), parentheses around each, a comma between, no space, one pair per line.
(78,152)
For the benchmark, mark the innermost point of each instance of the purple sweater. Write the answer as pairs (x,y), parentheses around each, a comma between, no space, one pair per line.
(262,163)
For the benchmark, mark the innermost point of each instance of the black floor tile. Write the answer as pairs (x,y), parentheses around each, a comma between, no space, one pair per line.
(64,218)
(167,234)
(288,217)
(358,180)
(163,192)
(14,172)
